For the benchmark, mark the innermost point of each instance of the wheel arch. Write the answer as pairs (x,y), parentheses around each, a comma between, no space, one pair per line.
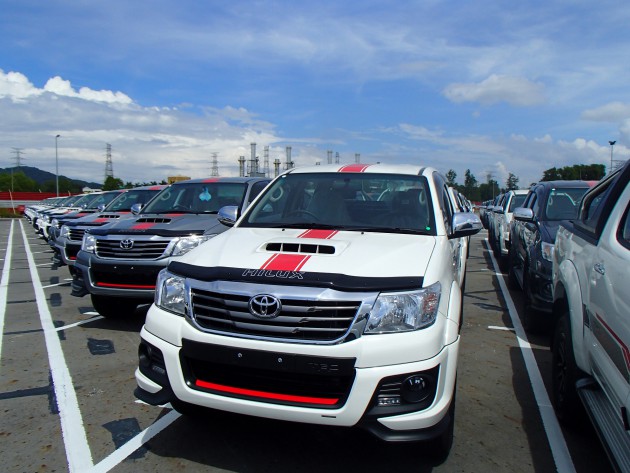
(567,297)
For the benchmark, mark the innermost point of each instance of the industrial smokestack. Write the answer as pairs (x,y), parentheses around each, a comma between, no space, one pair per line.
(253,163)
(289,163)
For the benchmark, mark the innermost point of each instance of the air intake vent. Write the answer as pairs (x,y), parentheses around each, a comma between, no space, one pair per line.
(153,220)
(301,248)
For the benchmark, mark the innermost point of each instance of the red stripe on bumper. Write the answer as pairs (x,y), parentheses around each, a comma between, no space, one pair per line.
(267,395)
(125,286)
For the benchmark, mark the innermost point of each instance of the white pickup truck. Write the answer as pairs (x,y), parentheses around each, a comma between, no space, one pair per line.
(591,342)
(336,299)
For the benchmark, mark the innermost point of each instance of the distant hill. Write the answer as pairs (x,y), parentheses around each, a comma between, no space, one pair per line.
(40,176)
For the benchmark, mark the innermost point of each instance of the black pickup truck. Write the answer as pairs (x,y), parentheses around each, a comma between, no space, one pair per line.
(118,263)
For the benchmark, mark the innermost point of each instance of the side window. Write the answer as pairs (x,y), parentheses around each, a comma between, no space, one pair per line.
(623,234)
(535,205)
(447,209)
(591,205)
(528,200)
(256,189)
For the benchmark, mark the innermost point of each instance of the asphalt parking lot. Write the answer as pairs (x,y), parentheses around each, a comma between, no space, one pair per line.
(67,381)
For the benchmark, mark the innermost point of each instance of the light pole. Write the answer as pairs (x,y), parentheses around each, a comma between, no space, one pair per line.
(57,163)
(611,143)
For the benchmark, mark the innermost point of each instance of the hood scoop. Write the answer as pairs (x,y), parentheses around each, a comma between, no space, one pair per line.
(308,248)
(109,216)
(153,220)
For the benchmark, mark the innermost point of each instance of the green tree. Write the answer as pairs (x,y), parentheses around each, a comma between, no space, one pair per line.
(586,172)
(451,175)
(112,183)
(66,186)
(17,181)
(470,190)
(512,182)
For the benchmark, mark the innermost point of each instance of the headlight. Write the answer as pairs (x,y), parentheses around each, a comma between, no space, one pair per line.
(404,311)
(46,219)
(54,223)
(89,243)
(170,293)
(547,251)
(185,244)
(65,230)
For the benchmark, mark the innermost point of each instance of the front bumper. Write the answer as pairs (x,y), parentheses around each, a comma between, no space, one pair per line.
(170,378)
(119,278)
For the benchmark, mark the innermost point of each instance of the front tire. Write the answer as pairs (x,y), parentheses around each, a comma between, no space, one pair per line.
(114,307)
(531,318)
(565,374)
(512,282)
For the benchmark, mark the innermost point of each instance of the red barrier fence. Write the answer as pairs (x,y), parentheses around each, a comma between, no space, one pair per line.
(16,201)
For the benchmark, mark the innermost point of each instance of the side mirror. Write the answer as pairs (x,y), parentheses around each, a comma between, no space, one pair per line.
(228,215)
(465,224)
(523,214)
(101,207)
(136,208)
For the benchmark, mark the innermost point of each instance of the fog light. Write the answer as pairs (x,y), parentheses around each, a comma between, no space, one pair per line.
(384,401)
(416,388)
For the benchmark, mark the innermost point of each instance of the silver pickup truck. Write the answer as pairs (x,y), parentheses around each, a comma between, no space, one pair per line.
(591,294)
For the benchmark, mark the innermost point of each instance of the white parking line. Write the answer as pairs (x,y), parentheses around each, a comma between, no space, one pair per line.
(55,285)
(117,456)
(75,440)
(4,284)
(65,327)
(494,327)
(557,443)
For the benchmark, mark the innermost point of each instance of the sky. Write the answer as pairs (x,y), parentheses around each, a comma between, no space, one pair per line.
(494,87)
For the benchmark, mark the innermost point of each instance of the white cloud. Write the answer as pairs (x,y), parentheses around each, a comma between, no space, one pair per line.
(16,86)
(498,88)
(149,143)
(612,112)
(58,86)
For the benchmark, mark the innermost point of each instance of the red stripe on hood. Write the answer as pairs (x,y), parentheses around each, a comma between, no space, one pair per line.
(354,168)
(284,262)
(143,226)
(292,261)
(321,234)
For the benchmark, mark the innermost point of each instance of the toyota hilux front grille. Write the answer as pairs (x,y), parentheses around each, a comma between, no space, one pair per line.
(76,234)
(298,319)
(127,249)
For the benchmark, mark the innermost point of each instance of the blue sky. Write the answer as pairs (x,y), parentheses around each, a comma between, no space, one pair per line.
(490,86)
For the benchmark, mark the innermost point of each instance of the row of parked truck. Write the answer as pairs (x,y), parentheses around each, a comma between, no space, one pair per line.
(566,245)
(332,295)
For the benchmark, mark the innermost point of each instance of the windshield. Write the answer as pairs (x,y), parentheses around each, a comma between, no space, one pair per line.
(125,200)
(101,199)
(345,201)
(198,197)
(517,201)
(562,204)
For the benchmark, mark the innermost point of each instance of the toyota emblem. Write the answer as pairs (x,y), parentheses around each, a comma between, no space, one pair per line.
(265,306)
(126,244)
